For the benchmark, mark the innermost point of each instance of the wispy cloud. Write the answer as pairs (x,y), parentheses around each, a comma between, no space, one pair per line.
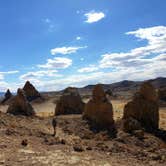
(51,26)
(93,16)
(138,57)
(9,72)
(66,50)
(39,74)
(3,73)
(90,68)
(57,63)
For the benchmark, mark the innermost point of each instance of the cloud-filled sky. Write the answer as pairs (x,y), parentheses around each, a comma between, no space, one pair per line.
(55,44)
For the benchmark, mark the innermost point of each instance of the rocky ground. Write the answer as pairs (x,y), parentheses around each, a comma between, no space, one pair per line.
(29,141)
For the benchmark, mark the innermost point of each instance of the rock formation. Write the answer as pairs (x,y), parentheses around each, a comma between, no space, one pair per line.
(8,95)
(20,105)
(69,103)
(143,109)
(99,110)
(31,92)
(162,94)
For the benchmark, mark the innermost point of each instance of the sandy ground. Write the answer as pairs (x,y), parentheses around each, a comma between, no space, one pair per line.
(47,109)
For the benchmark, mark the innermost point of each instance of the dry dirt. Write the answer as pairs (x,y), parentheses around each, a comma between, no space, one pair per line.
(75,143)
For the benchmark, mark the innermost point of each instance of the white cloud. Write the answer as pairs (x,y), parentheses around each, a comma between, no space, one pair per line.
(78,38)
(93,16)
(57,63)
(65,50)
(152,34)
(9,72)
(90,68)
(138,57)
(2,73)
(39,74)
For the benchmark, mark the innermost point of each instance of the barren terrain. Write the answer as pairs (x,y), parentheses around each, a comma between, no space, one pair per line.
(75,143)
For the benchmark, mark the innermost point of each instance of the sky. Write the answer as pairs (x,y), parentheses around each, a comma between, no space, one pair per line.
(56,44)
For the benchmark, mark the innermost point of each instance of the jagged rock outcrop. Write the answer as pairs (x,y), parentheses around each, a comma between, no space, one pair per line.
(8,96)
(143,109)
(20,105)
(69,103)
(31,92)
(99,110)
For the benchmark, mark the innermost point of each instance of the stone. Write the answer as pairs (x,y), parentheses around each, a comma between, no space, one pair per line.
(20,105)
(24,142)
(89,148)
(78,148)
(31,92)
(143,108)
(69,103)
(99,110)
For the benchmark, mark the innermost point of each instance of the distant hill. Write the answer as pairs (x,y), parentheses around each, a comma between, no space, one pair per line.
(124,88)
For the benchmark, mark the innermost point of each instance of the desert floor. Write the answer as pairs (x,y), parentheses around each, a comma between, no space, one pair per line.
(75,143)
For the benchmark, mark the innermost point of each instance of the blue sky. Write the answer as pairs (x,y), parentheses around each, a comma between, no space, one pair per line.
(56,44)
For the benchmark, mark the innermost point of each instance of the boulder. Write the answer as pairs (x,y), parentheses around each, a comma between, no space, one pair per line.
(143,108)
(99,110)
(69,103)
(20,105)
(8,96)
(31,92)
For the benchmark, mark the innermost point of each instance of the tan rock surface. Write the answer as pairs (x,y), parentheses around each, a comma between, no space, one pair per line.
(69,103)
(144,108)
(20,105)
(99,110)
(30,91)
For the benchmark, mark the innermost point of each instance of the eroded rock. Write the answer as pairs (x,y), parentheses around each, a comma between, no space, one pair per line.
(99,110)
(20,105)
(143,108)
(8,96)
(31,92)
(69,103)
